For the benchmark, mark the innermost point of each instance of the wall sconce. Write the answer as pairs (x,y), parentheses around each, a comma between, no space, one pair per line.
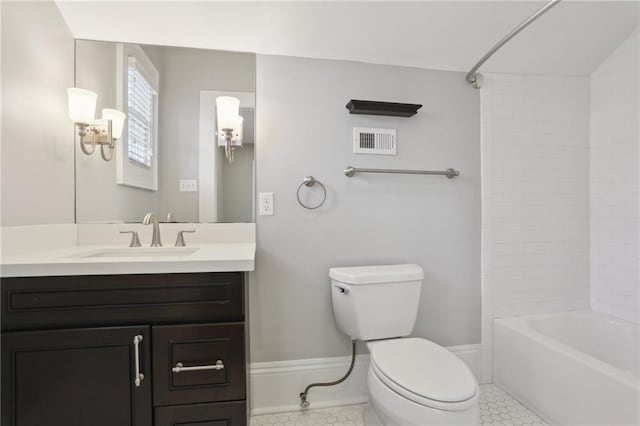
(229,124)
(104,132)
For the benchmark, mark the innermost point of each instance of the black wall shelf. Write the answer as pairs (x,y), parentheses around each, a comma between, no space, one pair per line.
(393,109)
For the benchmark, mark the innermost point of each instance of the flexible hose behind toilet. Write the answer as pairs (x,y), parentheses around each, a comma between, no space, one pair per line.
(303,396)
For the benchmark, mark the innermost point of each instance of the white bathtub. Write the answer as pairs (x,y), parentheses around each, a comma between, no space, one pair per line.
(573,368)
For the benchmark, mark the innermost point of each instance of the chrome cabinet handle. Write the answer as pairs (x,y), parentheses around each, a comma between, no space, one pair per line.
(139,377)
(219,365)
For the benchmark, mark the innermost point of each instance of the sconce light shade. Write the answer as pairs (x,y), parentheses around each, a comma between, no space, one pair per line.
(227,108)
(117,121)
(82,105)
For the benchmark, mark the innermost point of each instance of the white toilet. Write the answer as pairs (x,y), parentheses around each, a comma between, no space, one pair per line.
(411,381)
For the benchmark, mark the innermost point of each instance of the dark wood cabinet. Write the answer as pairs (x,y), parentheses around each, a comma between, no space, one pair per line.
(79,301)
(76,377)
(70,355)
(221,414)
(198,363)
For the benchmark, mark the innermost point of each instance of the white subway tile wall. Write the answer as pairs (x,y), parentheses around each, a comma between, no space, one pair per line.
(535,198)
(615,183)
(536,193)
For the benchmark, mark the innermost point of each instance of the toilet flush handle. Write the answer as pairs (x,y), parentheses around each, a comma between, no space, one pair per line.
(343,290)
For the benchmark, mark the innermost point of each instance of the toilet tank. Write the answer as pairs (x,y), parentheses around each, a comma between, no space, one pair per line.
(376,302)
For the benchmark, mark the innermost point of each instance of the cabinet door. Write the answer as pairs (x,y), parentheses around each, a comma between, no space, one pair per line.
(219,414)
(198,363)
(80,377)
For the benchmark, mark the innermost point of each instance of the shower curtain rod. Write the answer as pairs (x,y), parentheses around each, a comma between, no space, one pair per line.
(476,78)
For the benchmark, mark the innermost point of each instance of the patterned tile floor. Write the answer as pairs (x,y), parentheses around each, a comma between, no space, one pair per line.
(497,408)
(348,415)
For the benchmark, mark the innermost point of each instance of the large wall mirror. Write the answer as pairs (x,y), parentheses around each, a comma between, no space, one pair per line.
(171,158)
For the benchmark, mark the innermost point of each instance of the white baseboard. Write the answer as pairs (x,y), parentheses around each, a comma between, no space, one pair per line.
(276,386)
(470,355)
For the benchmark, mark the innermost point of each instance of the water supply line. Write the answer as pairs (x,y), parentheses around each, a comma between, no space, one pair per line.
(304,403)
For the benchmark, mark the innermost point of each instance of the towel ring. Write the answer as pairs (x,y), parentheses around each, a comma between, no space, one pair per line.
(309,181)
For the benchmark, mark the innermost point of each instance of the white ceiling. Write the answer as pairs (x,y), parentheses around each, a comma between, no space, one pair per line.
(572,38)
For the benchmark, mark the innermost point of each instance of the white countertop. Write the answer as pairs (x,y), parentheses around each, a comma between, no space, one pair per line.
(228,254)
(223,257)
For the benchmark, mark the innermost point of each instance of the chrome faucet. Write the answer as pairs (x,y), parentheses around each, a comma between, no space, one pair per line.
(155,239)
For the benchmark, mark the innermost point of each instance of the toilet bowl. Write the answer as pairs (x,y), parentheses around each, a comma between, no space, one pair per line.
(411,381)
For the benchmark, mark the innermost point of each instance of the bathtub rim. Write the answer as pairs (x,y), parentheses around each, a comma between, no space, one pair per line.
(521,324)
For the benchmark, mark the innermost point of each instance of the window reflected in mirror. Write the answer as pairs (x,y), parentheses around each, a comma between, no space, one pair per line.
(169,159)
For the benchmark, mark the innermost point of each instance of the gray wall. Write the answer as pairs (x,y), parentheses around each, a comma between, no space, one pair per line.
(99,197)
(237,186)
(186,73)
(304,129)
(37,135)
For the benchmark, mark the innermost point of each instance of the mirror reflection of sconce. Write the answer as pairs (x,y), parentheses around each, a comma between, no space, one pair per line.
(104,132)
(229,124)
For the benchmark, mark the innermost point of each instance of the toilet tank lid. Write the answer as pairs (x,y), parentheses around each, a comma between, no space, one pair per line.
(376,274)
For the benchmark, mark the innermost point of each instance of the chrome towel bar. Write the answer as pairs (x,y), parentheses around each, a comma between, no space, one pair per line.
(450,173)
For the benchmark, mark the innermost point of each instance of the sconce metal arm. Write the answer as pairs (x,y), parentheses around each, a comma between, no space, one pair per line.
(228,148)
(100,134)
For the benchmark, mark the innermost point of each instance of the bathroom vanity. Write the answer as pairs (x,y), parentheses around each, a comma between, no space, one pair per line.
(107,321)
(109,349)
(125,348)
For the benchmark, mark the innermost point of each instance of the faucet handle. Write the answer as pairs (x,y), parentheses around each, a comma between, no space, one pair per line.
(135,240)
(171,218)
(180,239)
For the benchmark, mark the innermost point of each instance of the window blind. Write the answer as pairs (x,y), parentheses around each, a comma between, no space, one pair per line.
(141,116)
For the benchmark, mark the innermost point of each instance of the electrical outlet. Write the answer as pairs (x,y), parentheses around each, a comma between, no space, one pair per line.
(266,204)
(188,185)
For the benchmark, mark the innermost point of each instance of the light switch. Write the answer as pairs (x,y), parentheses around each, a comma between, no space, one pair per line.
(266,203)
(188,185)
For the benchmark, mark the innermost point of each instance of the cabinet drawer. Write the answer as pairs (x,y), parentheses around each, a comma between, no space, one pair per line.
(80,301)
(198,363)
(220,414)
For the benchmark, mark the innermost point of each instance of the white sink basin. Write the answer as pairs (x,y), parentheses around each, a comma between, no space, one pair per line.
(138,252)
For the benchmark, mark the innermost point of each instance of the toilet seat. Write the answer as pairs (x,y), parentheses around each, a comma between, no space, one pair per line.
(424,372)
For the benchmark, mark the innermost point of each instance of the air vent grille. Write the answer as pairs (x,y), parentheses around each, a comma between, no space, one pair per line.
(374,141)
